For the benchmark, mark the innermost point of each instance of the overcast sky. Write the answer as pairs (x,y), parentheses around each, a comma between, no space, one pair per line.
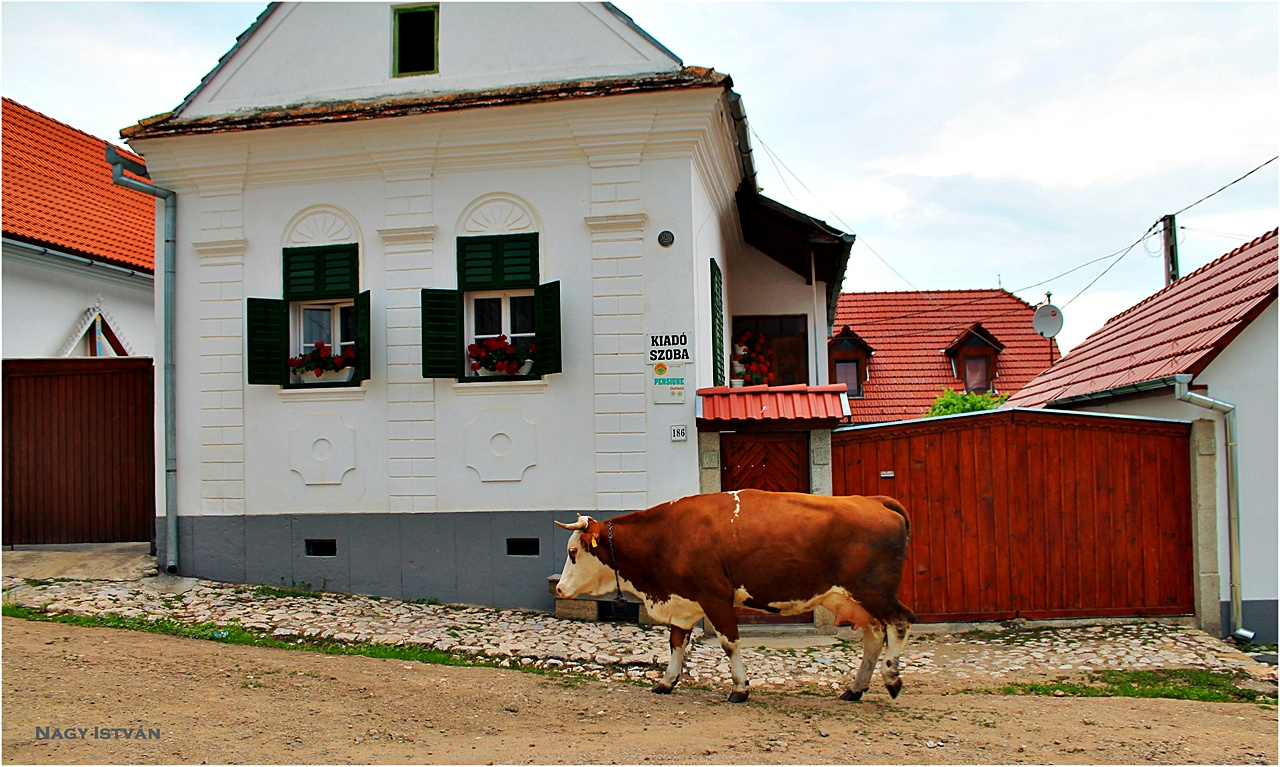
(967,144)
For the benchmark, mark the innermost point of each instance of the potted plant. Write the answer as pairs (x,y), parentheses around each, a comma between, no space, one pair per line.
(751,355)
(321,365)
(497,356)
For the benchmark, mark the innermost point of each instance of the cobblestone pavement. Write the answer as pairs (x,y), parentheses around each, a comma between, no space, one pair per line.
(622,651)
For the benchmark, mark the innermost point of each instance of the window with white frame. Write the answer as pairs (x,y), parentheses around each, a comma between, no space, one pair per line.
(321,305)
(502,313)
(465,332)
(332,323)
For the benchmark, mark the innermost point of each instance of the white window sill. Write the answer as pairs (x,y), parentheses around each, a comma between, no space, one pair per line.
(323,394)
(489,386)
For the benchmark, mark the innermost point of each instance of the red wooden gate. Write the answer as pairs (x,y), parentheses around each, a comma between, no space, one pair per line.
(777,461)
(1033,514)
(78,450)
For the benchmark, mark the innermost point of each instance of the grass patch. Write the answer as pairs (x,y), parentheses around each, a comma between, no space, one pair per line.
(279,592)
(1177,683)
(238,635)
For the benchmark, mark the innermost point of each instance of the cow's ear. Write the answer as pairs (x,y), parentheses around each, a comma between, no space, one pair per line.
(588,540)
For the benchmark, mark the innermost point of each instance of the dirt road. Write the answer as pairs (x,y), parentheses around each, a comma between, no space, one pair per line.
(226,704)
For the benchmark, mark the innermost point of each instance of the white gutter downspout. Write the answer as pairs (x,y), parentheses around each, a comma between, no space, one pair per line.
(1182,391)
(118,165)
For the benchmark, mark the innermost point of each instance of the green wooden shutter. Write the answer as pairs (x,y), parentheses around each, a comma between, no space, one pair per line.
(442,351)
(546,325)
(267,332)
(364,338)
(478,263)
(717,324)
(494,263)
(520,261)
(332,271)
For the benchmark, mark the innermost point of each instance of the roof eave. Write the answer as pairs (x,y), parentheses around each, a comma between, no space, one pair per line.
(318,113)
(1115,391)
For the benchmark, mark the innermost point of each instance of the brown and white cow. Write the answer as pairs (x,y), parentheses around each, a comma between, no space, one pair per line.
(785,553)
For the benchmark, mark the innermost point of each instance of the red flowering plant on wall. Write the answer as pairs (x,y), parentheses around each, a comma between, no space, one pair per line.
(755,359)
(322,359)
(498,355)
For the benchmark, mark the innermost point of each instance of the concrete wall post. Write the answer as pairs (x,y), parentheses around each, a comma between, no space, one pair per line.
(820,462)
(708,461)
(1204,527)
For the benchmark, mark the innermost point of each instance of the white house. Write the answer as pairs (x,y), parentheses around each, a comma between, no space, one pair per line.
(1217,327)
(409,180)
(78,253)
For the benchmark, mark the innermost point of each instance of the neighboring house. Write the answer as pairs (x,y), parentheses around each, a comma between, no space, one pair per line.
(429,177)
(78,251)
(1218,325)
(897,351)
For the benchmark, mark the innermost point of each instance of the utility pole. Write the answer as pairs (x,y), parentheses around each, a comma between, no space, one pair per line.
(1170,232)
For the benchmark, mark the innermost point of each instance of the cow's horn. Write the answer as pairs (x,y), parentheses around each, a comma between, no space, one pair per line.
(581,524)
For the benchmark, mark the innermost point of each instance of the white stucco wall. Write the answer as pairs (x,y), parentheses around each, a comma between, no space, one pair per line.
(343,51)
(761,285)
(1244,374)
(45,297)
(598,179)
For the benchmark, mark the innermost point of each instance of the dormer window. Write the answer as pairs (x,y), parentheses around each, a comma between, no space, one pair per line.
(848,358)
(415,36)
(974,354)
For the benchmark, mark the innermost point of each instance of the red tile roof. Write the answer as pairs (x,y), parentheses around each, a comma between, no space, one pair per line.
(909,332)
(1179,329)
(772,403)
(58,193)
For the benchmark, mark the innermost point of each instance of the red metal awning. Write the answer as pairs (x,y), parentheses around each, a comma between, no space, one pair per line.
(799,405)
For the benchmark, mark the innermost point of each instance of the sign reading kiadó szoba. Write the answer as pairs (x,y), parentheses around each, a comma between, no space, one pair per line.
(669,348)
(668,383)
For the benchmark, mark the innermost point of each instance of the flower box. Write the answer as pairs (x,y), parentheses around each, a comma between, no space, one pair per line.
(524,370)
(327,376)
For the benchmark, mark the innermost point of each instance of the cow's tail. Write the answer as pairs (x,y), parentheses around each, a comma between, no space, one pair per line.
(892,503)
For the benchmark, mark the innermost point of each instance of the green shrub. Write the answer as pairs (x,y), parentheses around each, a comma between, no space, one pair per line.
(952,402)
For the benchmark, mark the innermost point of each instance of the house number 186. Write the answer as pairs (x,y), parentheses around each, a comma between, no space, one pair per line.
(678,433)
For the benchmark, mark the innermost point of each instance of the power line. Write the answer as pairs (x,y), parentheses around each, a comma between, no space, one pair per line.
(1118,255)
(1228,235)
(1119,258)
(1242,178)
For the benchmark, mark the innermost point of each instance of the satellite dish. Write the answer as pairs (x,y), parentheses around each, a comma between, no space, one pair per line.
(1047,320)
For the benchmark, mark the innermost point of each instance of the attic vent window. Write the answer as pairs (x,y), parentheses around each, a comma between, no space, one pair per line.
(416,34)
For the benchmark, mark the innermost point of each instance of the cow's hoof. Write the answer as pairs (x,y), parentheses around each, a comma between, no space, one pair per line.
(894,688)
(737,697)
(663,689)
(850,695)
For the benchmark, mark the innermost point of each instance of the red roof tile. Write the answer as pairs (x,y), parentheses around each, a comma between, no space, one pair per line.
(772,403)
(909,332)
(1179,329)
(58,193)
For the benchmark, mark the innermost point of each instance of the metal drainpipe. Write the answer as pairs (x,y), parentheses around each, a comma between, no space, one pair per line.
(118,165)
(1181,389)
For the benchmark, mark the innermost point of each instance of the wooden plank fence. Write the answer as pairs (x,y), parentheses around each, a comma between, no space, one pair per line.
(1033,514)
(78,450)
